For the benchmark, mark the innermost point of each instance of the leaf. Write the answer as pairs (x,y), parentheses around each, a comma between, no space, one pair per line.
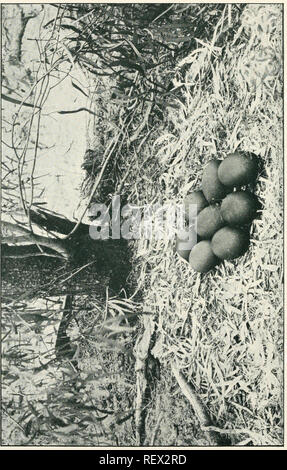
(78,88)
(77,111)
(15,101)
(28,428)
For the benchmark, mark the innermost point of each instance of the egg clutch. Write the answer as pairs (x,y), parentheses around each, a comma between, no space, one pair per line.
(225,210)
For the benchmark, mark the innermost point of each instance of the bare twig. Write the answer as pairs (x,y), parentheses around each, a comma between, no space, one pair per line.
(163,13)
(156,428)
(198,407)
(76,272)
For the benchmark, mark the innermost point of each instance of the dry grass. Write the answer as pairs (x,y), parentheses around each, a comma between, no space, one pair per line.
(224,328)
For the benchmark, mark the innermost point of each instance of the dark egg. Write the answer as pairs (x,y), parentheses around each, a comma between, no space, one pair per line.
(230,243)
(238,169)
(212,187)
(209,220)
(239,208)
(201,258)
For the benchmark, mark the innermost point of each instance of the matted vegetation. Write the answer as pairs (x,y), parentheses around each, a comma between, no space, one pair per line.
(224,328)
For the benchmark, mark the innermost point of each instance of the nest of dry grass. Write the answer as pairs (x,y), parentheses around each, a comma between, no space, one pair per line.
(223,329)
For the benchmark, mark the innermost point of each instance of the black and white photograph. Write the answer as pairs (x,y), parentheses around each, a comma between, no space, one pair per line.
(142,227)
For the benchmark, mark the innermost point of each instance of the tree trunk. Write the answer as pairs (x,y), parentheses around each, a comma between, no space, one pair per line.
(53,222)
(93,268)
(92,265)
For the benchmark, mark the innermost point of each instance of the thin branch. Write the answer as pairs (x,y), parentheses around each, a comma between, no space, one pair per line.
(156,428)
(10,230)
(76,272)
(197,405)
(163,13)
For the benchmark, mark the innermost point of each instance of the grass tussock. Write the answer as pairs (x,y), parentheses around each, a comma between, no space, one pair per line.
(224,328)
